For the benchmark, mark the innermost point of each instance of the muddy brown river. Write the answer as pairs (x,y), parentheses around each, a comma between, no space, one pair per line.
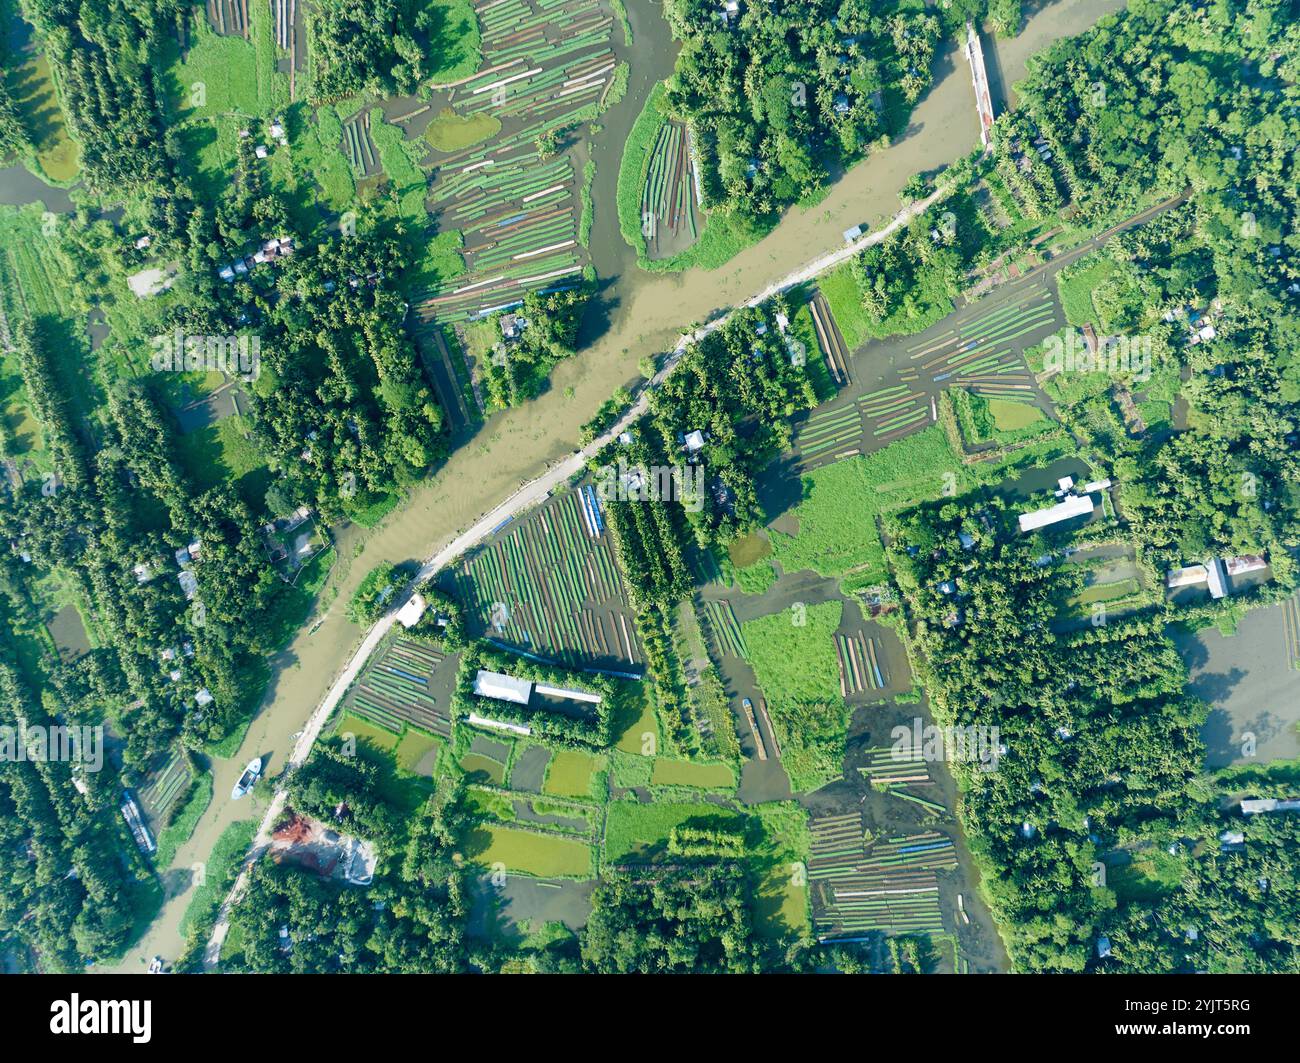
(646,314)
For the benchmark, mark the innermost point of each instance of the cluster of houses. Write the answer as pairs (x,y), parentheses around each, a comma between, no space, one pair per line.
(292,541)
(278,134)
(1216,574)
(145,572)
(1234,841)
(185,558)
(152,280)
(1200,323)
(270,250)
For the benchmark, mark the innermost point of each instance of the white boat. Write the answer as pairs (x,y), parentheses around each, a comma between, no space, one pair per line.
(246,781)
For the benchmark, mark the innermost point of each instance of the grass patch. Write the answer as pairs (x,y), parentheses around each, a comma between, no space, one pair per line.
(587,216)
(455,46)
(1009,415)
(630,770)
(225,453)
(321,157)
(1001,421)
(218,75)
(180,829)
(756,578)
(723,237)
(845,300)
(1077,283)
(569,772)
(449,131)
(439,260)
(929,303)
(688,773)
(635,725)
(1151,875)
(637,831)
(400,161)
(780,863)
(366,731)
(223,863)
(841,503)
(530,853)
(796,666)
(1106,592)
(801,324)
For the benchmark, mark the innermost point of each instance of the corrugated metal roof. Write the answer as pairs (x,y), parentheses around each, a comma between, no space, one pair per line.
(502,687)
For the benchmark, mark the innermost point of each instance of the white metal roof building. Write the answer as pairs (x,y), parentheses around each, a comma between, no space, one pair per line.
(1071,506)
(475,720)
(571,695)
(1214,570)
(1188,576)
(1251,806)
(409,615)
(502,687)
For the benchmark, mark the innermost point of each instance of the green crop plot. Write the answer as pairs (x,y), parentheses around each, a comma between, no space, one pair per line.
(841,503)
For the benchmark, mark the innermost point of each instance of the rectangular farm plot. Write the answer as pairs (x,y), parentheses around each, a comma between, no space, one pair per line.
(408,684)
(891,885)
(796,664)
(530,852)
(549,587)
(359,146)
(639,733)
(635,833)
(862,663)
(569,773)
(165,787)
(547,65)
(418,753)
(689,773)
(481,768)
(669,200)
(361,728)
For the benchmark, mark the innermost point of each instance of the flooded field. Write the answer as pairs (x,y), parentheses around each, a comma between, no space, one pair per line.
(520,906)
(498,153)
(1252,684)
(69,633)
(19,186)
(408,682)
(926,880)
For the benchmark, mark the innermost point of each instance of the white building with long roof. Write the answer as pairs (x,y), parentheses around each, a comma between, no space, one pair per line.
(502,687)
